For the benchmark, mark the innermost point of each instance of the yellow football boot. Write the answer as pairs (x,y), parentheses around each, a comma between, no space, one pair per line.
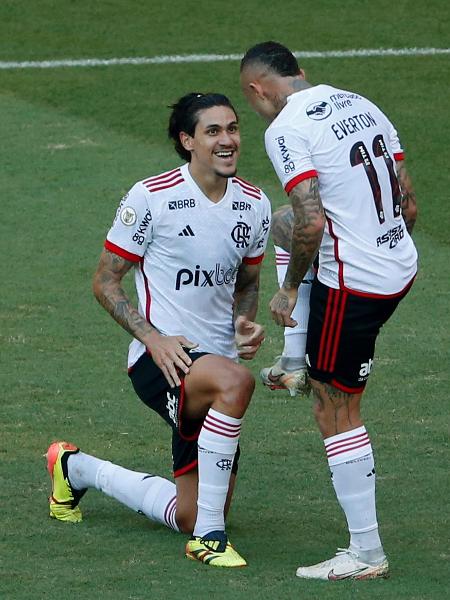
(64,500)
(214,549)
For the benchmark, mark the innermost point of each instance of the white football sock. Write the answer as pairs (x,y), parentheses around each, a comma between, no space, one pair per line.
(351,463)
(151,495)
(82,470)
(160,502)
(217,445)
(295,337)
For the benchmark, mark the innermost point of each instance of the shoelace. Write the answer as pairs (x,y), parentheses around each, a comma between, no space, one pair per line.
(344,551)
(340,552)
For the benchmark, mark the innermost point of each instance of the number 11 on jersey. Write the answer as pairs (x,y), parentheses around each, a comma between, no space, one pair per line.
(359,155)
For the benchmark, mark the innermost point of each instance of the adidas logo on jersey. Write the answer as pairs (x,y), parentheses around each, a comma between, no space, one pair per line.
(187,231)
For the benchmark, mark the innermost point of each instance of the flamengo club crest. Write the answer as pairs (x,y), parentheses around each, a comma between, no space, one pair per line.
(241,234)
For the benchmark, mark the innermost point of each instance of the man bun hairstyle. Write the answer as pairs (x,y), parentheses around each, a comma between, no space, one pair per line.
(185,115)
(273,55)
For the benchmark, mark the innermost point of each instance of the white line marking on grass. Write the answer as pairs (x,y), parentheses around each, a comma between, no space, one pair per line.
(195,58)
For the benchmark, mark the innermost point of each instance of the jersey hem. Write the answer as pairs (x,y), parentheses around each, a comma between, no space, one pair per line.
(380,296)
(342,285)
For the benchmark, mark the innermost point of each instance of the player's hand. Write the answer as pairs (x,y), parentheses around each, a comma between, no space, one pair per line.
(168,354)
(249,337)
(282,305)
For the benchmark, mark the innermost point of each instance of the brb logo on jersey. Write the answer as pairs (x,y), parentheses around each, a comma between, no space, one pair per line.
(180,204)
(317,111)
(204,278)
(240,205)
(241,234)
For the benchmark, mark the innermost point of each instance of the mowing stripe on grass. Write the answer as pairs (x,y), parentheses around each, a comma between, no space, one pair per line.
(194,58)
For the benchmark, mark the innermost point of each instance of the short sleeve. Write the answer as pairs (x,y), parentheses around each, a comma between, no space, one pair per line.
(392,140)
(396,146)
(132,228)
(290,156)
(256,250)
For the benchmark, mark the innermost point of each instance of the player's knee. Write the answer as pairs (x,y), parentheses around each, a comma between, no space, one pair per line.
(237,389)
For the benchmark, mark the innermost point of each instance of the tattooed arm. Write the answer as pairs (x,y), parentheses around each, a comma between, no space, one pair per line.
(282,224)
(249,335)
(167,351)
(409,206)
(246,291)
(309,222)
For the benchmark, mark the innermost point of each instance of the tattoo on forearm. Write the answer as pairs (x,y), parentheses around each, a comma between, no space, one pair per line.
(282,224)
(307,230)
(409,204)
(111,295)
(246,291)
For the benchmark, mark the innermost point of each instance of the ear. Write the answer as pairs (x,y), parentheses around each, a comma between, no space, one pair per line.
(187,141)
(256,89)
(302,74)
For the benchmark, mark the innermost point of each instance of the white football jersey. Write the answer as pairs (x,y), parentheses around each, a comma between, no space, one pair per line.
(350,145)
(187,251)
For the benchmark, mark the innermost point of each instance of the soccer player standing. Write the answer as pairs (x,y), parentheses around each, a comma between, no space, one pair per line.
(195,237)
(340,161)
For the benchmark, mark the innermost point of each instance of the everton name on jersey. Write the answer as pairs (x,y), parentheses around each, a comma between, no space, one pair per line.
(187,251)
(351,146)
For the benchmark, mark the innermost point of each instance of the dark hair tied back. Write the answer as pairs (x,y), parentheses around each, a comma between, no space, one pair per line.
(185,114)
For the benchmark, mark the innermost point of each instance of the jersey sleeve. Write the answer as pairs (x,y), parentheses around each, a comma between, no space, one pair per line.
(290,156)
(132,228)
(256,250)
(396,146)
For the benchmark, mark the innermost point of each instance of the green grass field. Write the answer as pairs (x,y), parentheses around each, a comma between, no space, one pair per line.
(72,141)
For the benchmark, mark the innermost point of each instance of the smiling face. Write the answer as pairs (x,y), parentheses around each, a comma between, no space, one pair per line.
(214,147)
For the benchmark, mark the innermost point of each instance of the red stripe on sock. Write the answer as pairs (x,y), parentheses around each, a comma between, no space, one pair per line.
(169,506)
(222,432)
(365,443)
(351,439)
(215,422)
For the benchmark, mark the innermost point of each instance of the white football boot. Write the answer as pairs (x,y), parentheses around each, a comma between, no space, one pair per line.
(276,377)
(345,565)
